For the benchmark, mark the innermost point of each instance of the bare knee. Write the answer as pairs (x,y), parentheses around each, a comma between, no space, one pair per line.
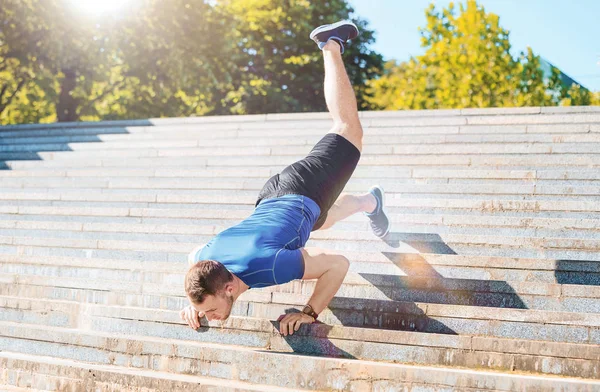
(344,263)
(352,131)
(329,221)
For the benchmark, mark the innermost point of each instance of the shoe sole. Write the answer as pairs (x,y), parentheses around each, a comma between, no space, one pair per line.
(332,26)
(384,210)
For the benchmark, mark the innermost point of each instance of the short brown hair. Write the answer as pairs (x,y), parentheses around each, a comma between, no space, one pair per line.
(206,277)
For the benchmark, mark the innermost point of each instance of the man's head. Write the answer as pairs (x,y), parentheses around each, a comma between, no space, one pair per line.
(210,288)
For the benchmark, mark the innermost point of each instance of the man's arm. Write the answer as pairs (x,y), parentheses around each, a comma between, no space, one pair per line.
(329,269)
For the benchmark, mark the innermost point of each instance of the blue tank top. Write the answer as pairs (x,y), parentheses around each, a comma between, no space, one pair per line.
(263,249)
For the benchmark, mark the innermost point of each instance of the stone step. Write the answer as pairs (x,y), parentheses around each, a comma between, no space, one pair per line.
(552,112)
(445,312)
(393,263)
(167,230)
(441,323)
(566,119)
(527,325)
(343,241)
(523,123)
(574,299)
(178,213)
(362,171)
(549,177)
(10,388)
(34,166)
(53,374)
(529,161)
(107,179)
(197,149)
(197,198)
(460,286)
(94,234)
(170,221)
(563,121)
(568,292)
(556,290)
(40,140)
(246,200)
(374,143)
(239,363)
(407,235)
(406,187)
(371,120)
(555,124)
(219,214)
(408,276)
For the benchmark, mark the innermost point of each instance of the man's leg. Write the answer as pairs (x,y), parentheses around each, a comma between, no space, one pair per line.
(341,103)
(339,96)
(347,205)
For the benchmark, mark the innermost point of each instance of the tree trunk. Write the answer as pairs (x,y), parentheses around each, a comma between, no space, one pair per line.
(66,110)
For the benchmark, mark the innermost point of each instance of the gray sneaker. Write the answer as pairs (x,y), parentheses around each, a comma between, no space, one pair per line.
(379,220)
(340,31)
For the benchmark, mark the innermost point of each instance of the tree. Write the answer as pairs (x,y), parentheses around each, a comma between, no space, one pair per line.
(26,96)
(20,75)
(532,89)
(48,40)
(278,68)
(168,58)
(577,96)
(467,63)
(172,61)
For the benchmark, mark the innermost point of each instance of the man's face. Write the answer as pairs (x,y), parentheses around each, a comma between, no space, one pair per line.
(216,307)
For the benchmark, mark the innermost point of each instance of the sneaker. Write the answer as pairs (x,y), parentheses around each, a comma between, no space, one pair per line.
(341,31)
(379,220)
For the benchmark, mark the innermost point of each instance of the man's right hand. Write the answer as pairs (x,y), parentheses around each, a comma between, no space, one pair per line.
(191,316)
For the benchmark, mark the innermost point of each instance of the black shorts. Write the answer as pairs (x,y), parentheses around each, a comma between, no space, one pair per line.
(321,175)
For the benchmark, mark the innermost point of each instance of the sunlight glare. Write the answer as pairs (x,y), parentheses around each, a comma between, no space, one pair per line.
(99,7)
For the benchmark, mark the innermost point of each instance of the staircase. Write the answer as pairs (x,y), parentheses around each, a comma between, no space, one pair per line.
(489,280)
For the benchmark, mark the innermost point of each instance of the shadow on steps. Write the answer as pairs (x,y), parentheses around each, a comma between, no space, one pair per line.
(14,148)
(582,272)
(305,342)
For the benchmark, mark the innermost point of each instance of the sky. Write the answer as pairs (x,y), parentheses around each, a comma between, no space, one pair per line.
(564,32)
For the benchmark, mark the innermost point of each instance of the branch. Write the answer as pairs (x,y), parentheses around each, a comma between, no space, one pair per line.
(4,106)
(3,91)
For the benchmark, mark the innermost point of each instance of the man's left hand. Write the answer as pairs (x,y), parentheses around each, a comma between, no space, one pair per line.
(288,323)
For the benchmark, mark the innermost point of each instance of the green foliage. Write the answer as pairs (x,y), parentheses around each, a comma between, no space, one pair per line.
(278,68)
(171,61)
(168,58)
(467,63)
(577,96)
(27,97)
(197,57)
(55,49)
(532,89)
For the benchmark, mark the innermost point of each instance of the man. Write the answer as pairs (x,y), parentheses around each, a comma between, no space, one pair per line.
(267,248)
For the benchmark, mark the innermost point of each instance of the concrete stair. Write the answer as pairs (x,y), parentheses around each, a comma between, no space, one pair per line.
(490,279)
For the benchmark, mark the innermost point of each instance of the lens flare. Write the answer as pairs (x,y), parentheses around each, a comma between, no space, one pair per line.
(99,7)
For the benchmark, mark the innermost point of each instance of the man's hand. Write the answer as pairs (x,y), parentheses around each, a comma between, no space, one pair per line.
(191,316)
(288,323)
